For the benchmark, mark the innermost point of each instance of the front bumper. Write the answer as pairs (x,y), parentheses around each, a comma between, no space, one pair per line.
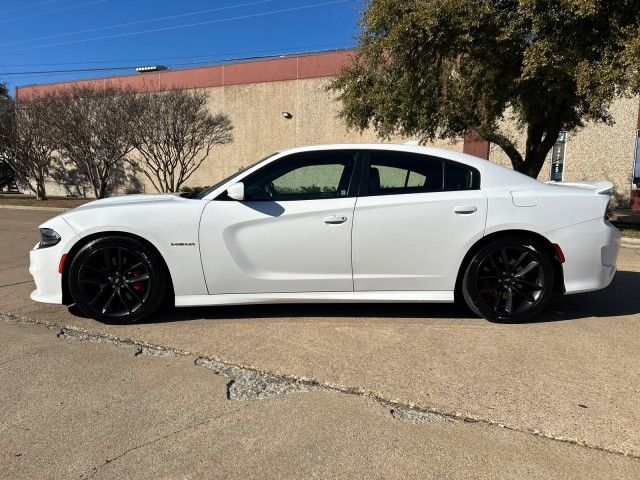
(591,252)
(44,263)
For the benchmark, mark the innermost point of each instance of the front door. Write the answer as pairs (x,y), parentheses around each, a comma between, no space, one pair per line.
(291,234)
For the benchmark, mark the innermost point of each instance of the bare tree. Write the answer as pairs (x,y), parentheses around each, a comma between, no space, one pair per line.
(7,175)
(6,104)
(26,144)
(176,133)
(94,129)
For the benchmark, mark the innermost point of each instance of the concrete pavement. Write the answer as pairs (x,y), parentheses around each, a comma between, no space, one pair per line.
(572,376)
(84,410)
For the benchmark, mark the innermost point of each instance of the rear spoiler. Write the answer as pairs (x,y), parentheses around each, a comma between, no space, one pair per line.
(603,186)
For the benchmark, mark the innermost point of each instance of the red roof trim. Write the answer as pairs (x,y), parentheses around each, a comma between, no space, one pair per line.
(474,146)
(316,65)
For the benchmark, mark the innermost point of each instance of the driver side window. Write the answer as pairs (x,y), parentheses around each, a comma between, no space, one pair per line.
(306,176)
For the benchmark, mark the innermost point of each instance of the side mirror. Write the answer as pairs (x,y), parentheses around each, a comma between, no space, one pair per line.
(236,191)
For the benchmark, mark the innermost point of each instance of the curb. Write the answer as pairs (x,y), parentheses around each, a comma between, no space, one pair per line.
(628,242)
(28,207)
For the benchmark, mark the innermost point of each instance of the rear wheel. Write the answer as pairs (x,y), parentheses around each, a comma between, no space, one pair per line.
(117,280)
(509,280)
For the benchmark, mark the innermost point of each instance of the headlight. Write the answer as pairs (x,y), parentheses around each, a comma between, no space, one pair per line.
(49,237)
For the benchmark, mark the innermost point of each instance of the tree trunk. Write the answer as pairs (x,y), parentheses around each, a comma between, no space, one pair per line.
(540,141)
(41,176)
(41,192)
(103,184)
(97,190)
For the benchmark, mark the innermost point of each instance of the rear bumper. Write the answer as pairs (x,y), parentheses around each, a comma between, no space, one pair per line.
(591,252)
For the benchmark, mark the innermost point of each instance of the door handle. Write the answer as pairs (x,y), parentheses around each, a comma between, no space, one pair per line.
(466,210)
(335,219)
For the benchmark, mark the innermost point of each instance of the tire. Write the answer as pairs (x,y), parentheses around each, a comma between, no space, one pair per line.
(117,280)
(509,280)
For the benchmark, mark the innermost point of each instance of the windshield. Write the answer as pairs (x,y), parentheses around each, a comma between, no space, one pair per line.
(206,192)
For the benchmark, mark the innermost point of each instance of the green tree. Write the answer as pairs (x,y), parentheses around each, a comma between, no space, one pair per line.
(443,68)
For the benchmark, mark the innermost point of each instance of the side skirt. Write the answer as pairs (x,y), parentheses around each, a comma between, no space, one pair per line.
(315,297)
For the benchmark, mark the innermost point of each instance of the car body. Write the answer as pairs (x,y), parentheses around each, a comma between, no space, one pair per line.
(344,223)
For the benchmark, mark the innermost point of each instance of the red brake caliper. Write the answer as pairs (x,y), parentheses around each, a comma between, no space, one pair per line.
(137,286)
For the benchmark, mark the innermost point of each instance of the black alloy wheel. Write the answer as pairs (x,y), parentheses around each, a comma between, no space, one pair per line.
(509,280)
(117,280)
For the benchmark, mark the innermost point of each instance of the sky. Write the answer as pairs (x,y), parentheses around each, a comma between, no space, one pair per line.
(118,35)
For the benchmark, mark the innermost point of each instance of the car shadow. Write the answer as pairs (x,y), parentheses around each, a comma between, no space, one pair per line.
(309,310)
(273,209)
(621,298)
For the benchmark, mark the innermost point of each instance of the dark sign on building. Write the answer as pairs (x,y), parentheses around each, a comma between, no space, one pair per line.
(636,170)
(557,158)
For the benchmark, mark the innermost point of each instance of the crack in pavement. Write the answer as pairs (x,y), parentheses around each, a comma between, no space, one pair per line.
(416,416)
(153,352)
(94,470)
(17,283)
(262,384)
(24,355)
(245,384)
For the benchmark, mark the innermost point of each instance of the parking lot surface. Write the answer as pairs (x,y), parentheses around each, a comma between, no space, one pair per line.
(553,398)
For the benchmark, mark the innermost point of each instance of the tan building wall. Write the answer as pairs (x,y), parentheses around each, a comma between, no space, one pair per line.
(255,93)
(260,129)
(595,152)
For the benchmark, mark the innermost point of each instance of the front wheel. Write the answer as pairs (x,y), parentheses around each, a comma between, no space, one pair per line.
(509,280)
(117,280)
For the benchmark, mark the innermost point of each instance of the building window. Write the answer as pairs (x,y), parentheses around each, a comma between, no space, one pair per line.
(636,170)
(557,158)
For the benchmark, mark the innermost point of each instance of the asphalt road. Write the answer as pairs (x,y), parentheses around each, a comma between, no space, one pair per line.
(557,398)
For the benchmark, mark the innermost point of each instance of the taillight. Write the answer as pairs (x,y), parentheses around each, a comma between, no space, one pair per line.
(559,252)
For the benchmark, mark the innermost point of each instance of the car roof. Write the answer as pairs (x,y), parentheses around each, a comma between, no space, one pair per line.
(492,175)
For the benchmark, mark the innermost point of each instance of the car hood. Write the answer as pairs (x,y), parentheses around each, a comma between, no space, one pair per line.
(132,200)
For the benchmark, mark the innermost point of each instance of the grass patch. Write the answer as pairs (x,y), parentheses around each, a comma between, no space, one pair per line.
(627,230)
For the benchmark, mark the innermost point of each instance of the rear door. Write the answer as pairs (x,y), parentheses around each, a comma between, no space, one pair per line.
(414,221)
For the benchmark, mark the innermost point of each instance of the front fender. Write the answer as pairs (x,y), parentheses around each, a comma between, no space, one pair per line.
(172,229)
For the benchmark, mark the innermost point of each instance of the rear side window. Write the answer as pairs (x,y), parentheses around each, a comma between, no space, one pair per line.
(392,173)
(460,177)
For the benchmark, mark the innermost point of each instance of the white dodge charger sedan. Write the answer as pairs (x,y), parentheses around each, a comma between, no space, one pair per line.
(335,223)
